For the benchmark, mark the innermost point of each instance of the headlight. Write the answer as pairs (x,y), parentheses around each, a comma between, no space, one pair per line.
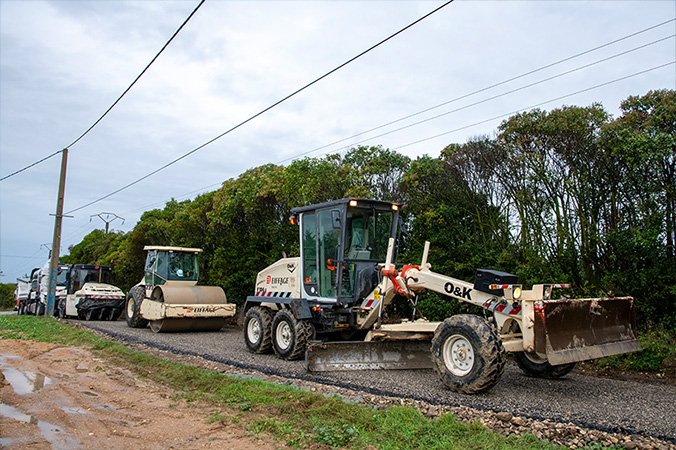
(516,292)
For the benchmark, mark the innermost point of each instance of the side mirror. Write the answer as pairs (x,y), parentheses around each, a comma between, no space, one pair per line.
(335,218)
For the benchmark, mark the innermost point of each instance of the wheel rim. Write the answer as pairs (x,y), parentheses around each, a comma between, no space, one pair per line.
(253,331)
(130,307)
(458,355)
(283,335)
(534,358)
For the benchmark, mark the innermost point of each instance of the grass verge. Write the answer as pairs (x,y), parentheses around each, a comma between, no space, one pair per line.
(287,414)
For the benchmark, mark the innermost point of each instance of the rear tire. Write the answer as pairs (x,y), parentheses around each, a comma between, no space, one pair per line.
(468,354)
(258,330)
(534,366)
(290,336)
(133,309)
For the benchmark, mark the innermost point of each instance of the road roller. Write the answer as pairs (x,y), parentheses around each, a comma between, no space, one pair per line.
(168,299)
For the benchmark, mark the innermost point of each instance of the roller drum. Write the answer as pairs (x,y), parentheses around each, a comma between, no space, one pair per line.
(187,324)
(199,295)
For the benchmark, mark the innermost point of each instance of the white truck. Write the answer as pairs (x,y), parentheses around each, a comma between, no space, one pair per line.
(36,301)
(90,294)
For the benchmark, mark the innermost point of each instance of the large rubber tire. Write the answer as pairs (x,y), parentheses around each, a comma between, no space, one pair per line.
(534,366)
(468,354)
(133,308)
(258,329)
(60,309)
(290,336)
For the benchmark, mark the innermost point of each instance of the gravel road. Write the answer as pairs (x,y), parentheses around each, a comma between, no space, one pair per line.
(616,406)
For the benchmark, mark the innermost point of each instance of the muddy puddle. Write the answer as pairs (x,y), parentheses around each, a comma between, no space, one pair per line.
(53,434)
(23,382)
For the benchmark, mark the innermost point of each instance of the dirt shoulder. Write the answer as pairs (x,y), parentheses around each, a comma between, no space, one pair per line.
(64,397)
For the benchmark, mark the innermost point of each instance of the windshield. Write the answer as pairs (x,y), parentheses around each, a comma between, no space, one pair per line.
(61,276)
(182,266)
(367,233)
(100,275)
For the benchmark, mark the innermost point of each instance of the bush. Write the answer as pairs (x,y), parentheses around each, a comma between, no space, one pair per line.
(7,296)
(658,354)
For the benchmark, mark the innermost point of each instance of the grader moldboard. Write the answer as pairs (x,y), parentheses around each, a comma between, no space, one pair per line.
(167,298)
(345,276)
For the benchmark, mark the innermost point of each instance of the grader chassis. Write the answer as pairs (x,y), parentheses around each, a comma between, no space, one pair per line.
(337,289)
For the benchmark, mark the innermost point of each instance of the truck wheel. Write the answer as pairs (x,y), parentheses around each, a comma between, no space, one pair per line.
(290,336)
(467,354)
(133,310)
(60,310)
(257,329)
(534,366)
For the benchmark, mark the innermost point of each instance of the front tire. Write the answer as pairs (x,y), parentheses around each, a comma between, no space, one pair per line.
(257,329)
(468,354)
(534,366)
(133,309)
(290,336)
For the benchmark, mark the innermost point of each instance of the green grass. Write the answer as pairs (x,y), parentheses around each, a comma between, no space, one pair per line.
(658,354)
(287,414)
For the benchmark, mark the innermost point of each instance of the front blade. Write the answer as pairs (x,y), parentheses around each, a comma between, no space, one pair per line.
(577,330)
(371,355)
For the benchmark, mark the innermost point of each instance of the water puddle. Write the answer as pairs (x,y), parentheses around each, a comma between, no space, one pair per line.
(24,382)
(58,438)
(74,410)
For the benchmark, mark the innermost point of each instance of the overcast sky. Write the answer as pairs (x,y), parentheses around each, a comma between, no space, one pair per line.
(62,63)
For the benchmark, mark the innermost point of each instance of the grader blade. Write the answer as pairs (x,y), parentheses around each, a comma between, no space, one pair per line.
(576,330)
(360,355)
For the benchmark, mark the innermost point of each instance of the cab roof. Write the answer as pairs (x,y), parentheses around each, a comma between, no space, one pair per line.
(361,202)
(172,249)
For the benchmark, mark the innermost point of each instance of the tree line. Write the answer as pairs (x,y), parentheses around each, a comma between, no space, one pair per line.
(570,195)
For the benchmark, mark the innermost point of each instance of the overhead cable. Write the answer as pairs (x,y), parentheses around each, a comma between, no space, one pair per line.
(118,99)
(451,131)
(185,155)
(478,91)
(503,94)
(538,105)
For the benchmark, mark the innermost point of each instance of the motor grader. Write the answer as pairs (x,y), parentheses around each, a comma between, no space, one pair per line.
(168,299)
(337,289)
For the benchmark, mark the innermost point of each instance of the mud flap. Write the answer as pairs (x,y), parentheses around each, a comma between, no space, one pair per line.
(361,355)
(576,330)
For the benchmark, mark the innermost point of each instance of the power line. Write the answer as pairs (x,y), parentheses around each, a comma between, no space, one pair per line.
(537,105)
(478,91)
(530,72)
(503,94)
(118,99)
(31,165)
(474,124)
(185,155)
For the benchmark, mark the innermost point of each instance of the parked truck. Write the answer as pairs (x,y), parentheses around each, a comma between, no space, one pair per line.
(21,292)
(36,301)
(90,294)
(345,276)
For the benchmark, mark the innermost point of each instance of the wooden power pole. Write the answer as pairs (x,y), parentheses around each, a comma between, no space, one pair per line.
(56,241)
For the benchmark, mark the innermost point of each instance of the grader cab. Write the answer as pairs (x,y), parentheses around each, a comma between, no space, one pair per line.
(168,299)
(345,276)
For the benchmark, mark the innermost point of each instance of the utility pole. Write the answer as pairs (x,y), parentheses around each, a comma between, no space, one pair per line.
(56,242)
(106,218)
